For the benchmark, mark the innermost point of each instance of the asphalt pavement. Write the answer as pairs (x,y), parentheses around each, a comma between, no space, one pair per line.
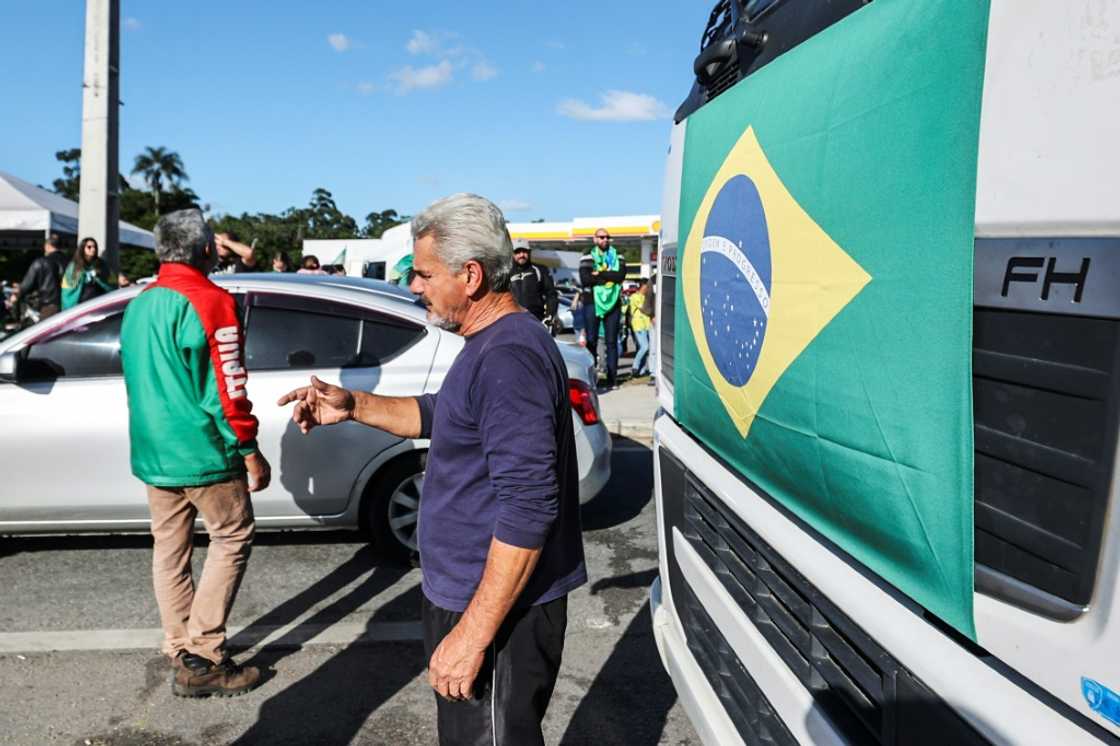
(335,626)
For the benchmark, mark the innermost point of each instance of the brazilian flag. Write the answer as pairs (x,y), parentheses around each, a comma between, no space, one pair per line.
(827,221)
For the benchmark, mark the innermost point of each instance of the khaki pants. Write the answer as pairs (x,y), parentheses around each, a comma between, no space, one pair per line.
(195,619)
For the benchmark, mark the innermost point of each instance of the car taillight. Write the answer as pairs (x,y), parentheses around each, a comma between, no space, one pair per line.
(582,402)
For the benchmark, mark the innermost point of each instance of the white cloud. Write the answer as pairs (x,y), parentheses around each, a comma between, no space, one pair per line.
(538,67)
(615,106)
(365,87)
(133,24)
(434,43)
(422,43)
(514,205)
(453,55)
(340,42)
(483,70)
(409,78)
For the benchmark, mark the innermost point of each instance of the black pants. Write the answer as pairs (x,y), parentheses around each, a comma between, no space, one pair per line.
(515,684)
(610,329)
(591,328)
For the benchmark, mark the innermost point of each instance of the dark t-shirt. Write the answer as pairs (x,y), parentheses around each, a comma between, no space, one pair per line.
(502,464)
(231,265)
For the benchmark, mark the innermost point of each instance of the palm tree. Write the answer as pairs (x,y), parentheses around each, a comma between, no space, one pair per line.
(155,165)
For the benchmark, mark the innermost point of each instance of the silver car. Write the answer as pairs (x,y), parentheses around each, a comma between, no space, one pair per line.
(564,320)
(64,440)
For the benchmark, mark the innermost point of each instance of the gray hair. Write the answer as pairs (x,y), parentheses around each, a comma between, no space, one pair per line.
(182,236)
(467,227)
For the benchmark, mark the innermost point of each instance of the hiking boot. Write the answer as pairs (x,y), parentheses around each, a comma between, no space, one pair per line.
(177,660)
(198,677)
(184,661)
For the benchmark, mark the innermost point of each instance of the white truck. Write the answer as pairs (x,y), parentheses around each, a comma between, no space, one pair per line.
(771,630)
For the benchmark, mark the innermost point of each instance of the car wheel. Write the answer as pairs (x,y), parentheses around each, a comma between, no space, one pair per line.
(393,512)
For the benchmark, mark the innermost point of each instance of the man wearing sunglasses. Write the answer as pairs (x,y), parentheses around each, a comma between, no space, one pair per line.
(602,271)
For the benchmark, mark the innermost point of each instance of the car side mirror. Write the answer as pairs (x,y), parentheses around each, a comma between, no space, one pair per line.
(9,367)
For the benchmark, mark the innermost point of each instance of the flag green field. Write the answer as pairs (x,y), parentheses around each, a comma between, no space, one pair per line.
(827,221)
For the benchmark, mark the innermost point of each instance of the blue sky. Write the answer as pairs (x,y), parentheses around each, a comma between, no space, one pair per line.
(550,109)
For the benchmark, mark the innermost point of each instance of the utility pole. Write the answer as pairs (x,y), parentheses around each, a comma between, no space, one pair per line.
(99,203)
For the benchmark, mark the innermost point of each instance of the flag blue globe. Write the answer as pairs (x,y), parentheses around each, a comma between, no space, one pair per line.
(735,277)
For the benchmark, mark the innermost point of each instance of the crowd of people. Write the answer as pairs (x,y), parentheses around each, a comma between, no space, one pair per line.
(55,281)
(603,307)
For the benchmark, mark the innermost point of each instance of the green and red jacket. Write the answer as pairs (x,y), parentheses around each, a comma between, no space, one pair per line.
(190,420)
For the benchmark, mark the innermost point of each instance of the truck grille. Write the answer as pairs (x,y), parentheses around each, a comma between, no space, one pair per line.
(866,693)
(749,709)
(1045,401)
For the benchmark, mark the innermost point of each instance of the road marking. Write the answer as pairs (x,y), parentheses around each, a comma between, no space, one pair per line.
(242,638)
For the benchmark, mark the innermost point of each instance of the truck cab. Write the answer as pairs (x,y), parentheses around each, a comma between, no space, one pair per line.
(949,572)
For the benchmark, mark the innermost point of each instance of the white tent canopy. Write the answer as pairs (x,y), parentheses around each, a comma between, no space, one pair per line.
(25,208)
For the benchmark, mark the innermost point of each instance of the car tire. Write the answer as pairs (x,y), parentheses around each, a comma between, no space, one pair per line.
(393,504)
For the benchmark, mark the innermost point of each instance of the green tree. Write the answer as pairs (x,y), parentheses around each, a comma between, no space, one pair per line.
(325,220)
(285,231)
(322,201)
(136,207)
(138,263)
(70,185)
(379,222)
(159,165)
(139,207)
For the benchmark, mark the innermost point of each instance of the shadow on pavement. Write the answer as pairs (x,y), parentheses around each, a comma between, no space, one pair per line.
(629,490)
(333,702)
(380,577)
(641,580)
(630,698)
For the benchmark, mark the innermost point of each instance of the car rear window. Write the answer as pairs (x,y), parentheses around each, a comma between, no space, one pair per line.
(281,339)
(293,332)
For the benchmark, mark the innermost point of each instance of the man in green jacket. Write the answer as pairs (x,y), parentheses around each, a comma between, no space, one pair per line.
(193,438)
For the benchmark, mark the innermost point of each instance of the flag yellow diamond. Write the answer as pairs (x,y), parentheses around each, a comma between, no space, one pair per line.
(783,265)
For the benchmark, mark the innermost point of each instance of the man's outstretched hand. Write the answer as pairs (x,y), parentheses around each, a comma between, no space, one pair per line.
(319,404)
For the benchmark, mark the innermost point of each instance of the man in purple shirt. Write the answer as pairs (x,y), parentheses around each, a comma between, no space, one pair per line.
(500,542)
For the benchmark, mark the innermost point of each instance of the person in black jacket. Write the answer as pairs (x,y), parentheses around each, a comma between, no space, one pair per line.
(601,273)
(532,286)
(43,280)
